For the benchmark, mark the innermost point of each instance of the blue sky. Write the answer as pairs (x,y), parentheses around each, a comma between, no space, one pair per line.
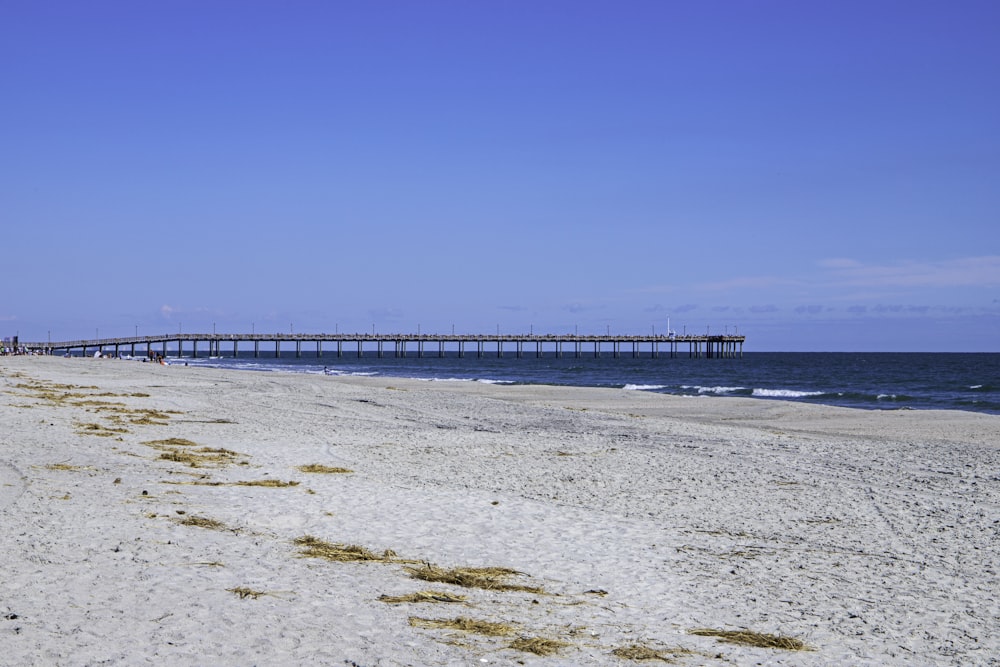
(819,176)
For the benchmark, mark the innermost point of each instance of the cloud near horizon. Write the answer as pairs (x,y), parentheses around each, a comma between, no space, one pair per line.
(960,272)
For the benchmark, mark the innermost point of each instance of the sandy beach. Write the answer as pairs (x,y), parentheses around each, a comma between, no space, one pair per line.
(169,515)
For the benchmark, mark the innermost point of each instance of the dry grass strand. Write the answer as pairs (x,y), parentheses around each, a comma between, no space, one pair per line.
(638,653)
(273,483)
(750,638)
(422,596)
(313,547)
(487,578)
(202,522)
(537,645)
(487,628)
(323,469)
(171,442)
(245,592)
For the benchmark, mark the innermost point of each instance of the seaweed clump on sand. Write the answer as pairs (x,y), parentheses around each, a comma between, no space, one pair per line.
(487,578)
(638,653)
(422,596)
(313,547)
(463,624)
(750,638)
(323,469)
(538,645)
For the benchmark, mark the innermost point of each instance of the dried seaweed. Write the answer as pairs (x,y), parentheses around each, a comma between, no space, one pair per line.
(202,522)
(488,578)
(422,596)
(638,653)
(325,469)
(537,645)
(313,547)
(274,483)
(171,442)
(245,592)
(750,638)
(487,628)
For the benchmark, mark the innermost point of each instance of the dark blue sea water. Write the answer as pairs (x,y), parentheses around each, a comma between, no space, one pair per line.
(884,381)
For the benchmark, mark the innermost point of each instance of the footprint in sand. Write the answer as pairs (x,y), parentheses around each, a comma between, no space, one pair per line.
(12,484)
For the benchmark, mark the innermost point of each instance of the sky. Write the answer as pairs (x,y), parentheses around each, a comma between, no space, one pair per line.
(817,176)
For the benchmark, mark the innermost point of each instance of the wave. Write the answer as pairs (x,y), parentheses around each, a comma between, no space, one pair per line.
(644,387)
(785,393)
(454,379)
(717,391)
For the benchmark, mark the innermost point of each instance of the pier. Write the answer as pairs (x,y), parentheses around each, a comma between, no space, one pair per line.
(402,345)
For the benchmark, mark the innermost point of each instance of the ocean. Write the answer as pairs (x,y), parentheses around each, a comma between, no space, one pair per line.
(882,381)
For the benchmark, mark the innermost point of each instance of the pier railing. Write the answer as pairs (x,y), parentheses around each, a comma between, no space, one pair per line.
(228,344)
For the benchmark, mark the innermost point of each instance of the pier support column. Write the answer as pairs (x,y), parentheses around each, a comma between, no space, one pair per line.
(319,349)
(277,348)
(298,349)
(256,348)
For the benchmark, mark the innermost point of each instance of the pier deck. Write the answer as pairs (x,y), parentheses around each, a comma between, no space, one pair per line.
(400,345)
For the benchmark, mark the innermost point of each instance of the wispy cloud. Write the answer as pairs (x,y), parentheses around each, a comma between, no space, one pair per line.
(961,272)
(749,282)
(391,314)
(580,307)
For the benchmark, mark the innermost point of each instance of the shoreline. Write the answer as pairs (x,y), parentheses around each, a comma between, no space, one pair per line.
(643,517)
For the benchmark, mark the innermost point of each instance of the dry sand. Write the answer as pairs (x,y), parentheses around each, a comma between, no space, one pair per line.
(633,519)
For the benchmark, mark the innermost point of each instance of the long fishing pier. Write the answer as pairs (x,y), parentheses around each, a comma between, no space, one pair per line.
(400,345)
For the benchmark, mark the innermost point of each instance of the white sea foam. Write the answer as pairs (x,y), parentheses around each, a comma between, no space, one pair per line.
(644,387)
(718,390)
(483,380)
(785,393)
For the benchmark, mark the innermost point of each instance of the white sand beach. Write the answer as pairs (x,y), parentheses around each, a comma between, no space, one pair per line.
(135,527)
